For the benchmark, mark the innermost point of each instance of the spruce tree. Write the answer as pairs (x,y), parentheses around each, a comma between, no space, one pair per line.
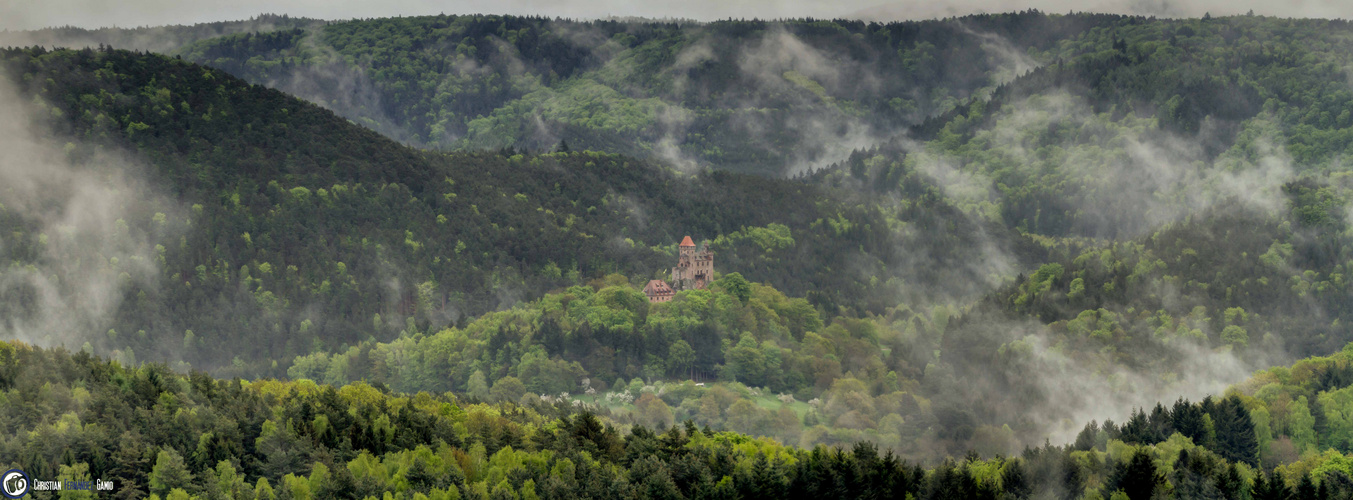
(1236,440)
(1138,478)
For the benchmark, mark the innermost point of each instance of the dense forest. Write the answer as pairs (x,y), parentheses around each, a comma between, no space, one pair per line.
(1051,261)
(150,38)
(157,433)
(756,96)
(749,96)
(273,215)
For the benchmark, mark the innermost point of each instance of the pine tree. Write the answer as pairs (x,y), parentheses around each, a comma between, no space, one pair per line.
(1236,440)
(1229,482)
(1187,419)
(1162,426)
(1073,477)
(1138,430)
(1138,478)
(1261,489)
(1306,489)
(1086,439)
(1015,481)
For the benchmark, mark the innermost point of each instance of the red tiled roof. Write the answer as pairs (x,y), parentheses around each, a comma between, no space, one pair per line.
(657,287)
(687,242)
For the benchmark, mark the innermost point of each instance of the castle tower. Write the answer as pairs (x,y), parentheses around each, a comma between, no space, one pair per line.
(694,269)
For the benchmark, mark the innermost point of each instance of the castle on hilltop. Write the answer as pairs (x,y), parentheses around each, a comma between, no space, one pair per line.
(694,271)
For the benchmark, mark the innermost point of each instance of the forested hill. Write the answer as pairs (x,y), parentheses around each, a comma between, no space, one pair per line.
(1129,127)
(163,39)
(754,96)
(153,432)
(272,227)
(1097,234)
(788,96)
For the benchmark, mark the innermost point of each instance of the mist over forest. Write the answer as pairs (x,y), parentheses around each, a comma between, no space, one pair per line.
(1022,254)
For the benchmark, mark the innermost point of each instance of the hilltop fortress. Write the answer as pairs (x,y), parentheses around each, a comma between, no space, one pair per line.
(694,271)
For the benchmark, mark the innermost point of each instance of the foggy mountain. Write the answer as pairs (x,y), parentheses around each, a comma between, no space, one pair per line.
(733,95)
(969,236)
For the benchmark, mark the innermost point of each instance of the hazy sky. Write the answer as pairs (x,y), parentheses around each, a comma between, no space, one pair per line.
(29,14)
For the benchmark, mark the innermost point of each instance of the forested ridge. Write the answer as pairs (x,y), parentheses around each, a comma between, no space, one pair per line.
(278,206)
(1100,212)
(744,95)
(151,38)
(154,432)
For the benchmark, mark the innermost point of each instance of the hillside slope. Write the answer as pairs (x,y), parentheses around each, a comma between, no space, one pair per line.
(164,39)
(260,226)
(752,96)
(154,432)
(1096,235)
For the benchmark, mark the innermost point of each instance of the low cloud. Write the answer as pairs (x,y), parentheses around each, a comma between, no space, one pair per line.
(82,231)
(1078,392)
(1119,178)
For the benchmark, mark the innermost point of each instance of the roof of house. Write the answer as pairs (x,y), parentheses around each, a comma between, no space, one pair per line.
(687,242)
(657,286)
